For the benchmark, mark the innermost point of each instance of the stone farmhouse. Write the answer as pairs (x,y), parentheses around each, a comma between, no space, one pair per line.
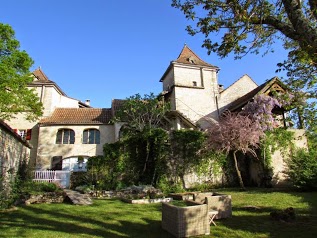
(71,131)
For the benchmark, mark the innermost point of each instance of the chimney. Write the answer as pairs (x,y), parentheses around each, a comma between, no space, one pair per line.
(87,101)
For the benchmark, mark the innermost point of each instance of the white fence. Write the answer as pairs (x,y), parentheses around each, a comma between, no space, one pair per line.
(53,176)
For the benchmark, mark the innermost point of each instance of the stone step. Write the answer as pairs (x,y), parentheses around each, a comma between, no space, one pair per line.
(78,198)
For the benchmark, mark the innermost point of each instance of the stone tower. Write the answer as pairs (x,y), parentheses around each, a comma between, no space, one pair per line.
(191,86)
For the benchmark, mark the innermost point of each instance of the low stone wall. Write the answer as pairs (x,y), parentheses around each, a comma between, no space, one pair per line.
(146,201)
(182,196)
(49,197)
(185,221)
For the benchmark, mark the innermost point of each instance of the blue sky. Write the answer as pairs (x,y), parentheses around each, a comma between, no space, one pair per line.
(109,49)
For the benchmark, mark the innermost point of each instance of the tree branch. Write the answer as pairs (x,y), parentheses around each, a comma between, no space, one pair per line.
(313,7)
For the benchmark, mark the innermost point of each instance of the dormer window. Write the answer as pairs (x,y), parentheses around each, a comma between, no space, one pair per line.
(191,60)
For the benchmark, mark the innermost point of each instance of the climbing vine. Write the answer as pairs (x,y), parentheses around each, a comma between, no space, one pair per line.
(186,152)
(277,139)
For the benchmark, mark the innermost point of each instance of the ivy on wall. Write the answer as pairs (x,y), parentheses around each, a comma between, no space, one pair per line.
(277,139)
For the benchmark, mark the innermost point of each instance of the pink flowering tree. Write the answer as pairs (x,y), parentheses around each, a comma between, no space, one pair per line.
(243,131)
(235,132)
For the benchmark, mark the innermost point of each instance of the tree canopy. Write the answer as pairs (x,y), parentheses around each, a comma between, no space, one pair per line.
(247,25)
(15,97)
(142,112)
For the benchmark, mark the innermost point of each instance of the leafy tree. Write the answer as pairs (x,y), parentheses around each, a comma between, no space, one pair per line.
(302,169)
(145,140)
(146,154)
(302,79)
(248,25)
(14,78)
(141,113)
(236,133)
(186,146)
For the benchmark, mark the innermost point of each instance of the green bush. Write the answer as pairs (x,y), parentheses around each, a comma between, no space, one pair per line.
(168,186)
(31,187)
(302,169)
(202,187)
(79,179)
(49,187)
(8,194)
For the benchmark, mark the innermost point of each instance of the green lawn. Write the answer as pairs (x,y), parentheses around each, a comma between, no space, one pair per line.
(113,218)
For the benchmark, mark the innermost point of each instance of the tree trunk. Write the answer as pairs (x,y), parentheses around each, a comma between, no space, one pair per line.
(238,171)
(147,156)
(153,183)
(182,176)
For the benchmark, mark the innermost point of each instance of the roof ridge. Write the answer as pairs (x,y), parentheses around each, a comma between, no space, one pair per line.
(184,56)
(42,73)
(258,90)
(238,80)
(186,46)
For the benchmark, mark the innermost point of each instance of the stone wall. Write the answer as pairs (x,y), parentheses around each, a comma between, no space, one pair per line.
(195,102)
(14,152)
(239,88)
(280,178)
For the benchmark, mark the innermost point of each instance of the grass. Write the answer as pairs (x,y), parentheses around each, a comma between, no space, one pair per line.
(113,218)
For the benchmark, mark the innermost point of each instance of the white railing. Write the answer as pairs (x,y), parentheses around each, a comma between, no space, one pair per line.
(53,176)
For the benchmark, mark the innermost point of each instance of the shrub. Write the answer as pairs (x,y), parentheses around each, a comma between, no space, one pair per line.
(302,169)
(79,179)
(203,187)
(168,186)
(8,195)
(31,187)
(49,187)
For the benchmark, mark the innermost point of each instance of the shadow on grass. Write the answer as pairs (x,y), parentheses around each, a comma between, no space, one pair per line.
(46,221)
(263,226)
(256,220)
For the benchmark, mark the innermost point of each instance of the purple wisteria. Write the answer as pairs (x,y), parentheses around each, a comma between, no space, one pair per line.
(260,111)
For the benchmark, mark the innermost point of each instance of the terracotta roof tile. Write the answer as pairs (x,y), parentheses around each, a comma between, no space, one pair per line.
(75,116)
(187,56)
(40,75)
(42,79)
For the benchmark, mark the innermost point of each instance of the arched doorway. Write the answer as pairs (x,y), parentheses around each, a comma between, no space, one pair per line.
(56,162)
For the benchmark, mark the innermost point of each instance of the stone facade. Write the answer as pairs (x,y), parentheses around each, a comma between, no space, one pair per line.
(14,153)
(43,136)
(239,88)
(48,148)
